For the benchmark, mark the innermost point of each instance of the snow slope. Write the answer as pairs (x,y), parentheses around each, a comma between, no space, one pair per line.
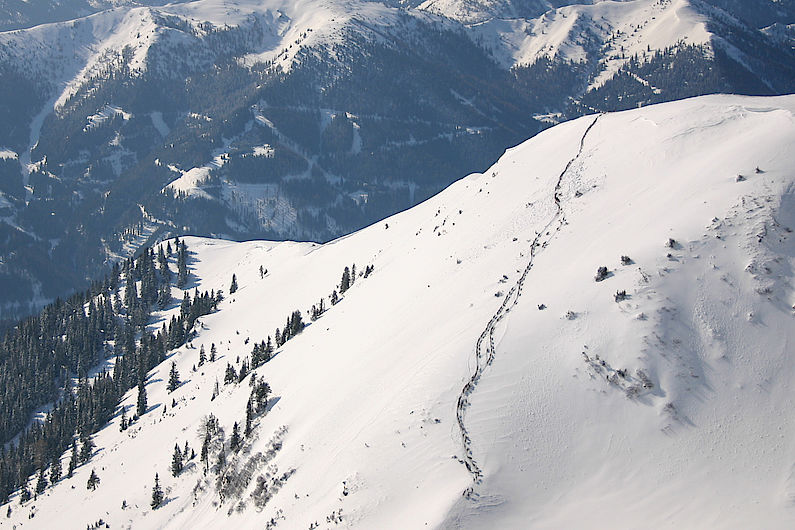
(614,30)
(438,393)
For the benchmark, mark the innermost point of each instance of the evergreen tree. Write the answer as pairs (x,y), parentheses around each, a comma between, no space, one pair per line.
(162,260)
(353,274)
(141,405)
(230,376)
(182,265)
(243,371)
(164,294)
(72,460)
(93,481)
(176,461)
(157,494)
(296,323)
(24,494)
(260,394)
(202,356)
(220,462)
(41,483)
(205,454)
(249,417)
(234,441)
(55,470)
(86,449)
(173,378)
(345,282)
(213,353)
(123,422)
(184,308)
(233,286)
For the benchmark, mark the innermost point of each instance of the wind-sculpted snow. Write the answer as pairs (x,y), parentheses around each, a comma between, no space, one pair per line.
(581,408)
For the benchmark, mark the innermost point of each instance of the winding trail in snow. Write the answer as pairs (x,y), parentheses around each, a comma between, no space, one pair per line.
(485,356)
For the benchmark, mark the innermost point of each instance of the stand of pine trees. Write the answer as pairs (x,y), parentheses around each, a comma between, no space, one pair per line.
(40,357)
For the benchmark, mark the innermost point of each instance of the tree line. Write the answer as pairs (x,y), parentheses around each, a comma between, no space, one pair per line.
(48,359)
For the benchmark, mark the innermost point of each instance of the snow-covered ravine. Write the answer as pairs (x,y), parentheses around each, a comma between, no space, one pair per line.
(669,407)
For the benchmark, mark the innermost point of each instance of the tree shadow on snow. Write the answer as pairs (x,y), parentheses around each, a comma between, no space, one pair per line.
(272,403)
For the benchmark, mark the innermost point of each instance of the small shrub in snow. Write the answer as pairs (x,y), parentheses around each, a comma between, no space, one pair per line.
(601,274)
(644,379)
(626,260)
(671,243)
(621,295)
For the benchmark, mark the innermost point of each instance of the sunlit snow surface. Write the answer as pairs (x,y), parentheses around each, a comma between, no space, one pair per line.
(368,393)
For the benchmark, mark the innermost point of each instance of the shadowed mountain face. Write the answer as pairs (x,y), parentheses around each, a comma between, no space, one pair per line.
(309,120)
(19,14)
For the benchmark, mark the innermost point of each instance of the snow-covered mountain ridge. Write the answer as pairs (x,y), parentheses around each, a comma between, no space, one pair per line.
(365,108)
(481,356)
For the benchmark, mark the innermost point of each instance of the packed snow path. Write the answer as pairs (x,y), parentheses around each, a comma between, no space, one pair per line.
(484,358)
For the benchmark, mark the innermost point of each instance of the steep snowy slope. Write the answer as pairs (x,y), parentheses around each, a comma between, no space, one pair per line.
(612,30)
(480,377)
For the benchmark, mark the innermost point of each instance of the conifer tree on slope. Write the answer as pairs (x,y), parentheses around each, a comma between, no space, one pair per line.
(41,483)
(93,481)
(141,405)
(55,470)
(234,441)
(176,461)
(182,265)
(173,378)
(249,417)
(157,494)
(72,460)
(345,282)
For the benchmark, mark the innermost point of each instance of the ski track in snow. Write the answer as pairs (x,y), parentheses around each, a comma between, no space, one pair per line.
(484,358)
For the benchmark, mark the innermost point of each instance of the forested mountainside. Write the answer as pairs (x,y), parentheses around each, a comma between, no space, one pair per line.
(309,120)
(20,14)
